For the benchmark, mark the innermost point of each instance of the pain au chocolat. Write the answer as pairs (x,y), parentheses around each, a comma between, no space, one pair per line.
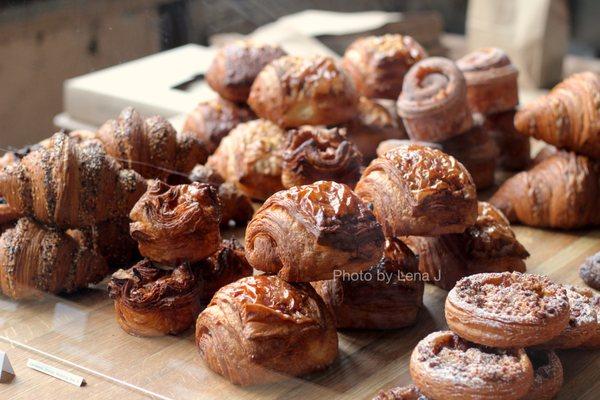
(262,329)
(307,232)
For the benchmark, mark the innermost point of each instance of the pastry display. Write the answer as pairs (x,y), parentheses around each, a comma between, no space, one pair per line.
(590,271)
(307,232)
(314,154)
(262,329)
(547,375)
(294,91)
(433,102)
(515,148)
(410,392)
(180,223)
(417,190)
(377,64)
(507,310)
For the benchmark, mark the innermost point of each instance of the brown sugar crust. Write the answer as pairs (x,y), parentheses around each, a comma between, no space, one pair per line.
(590,271)
(410,392)
(547,375)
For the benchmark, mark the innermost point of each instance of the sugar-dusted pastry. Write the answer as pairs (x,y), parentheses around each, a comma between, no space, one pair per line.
(151,300)
(262,329)
(417,190)
(433,102)
(410,392)
(313,153)
(386,296)
(180,223)
(377,64)
(236,65)
(250,157)
(590,271)
(445,366)
(508,309)
(491,80)
(294,91)
(547,375)
(593,342)
(307,232)
(515,148)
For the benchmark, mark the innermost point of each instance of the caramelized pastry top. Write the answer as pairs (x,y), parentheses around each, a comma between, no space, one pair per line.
(485,59)
(204,174)
(392,46)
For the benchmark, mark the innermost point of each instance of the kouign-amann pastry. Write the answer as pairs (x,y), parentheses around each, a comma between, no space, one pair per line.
(307,232)
(314,154)
(416,190)
(262,329)
(410,392)
(515,148)
(377,64)
(295,91)
(547,375)
(590,271)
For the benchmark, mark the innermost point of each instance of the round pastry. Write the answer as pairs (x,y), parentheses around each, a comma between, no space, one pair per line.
(590,271)
(445,366)
(314,154)
(547,375)
(262,329)
(391,144)
(152,301)
(212,120)
(515,148)
(386,296)
(508,309)
(417,190)
(410,392)
(173,224)
(307,232)
(296,91)
(433,102)
(491,80)
(235,67)
(594,341)
(377,64)
(250,157)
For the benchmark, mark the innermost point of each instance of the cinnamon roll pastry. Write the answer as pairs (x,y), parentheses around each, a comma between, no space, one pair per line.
(262,329)
(593,342)
(307,232)
(507,310)
(410,392)
(515,148)
(416,190)
(377,64)
(236,65)
(173,224)
(433,102)
(250,157)
(386,296)
(445,366)
(547,375)
(295,91)
(589,271)
(391,144)
(491,80)
(151,300)
(314,154)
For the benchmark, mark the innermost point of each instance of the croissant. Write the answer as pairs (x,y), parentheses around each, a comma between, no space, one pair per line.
(560,192)
(110,239)
(568,117)
(35,258)
(515,149)
(70,185)
(314,154)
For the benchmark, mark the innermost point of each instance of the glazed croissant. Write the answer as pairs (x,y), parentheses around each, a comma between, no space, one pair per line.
(568,117)
(34,259)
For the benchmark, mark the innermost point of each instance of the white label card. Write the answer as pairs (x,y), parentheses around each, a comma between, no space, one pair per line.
(56,372)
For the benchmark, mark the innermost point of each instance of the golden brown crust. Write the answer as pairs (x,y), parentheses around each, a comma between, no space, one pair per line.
(262,329)
(515,148)
(377,64)
(410,392)
(547,375)
(589,271)
(391,144)
(295,91)
(416,190)
(444,366)
(306,233)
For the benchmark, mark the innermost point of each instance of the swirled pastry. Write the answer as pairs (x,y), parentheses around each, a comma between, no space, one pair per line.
(386,296)
(410,392)
(314,154)
(417,190)
(173,224)
(295,91)
(250,157)
(307,232)
(262,329)
(589,271)
(433,102)
(377,64)
(154,301)
(236,65)
(515,148)
(547,375)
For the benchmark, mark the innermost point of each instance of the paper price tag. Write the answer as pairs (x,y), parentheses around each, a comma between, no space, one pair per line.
(56,372)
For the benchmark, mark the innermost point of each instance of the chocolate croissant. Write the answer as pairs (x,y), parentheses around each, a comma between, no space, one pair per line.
(568,117)
(314,154)
(307,232)
(515,148)
(417,190)
(262,329)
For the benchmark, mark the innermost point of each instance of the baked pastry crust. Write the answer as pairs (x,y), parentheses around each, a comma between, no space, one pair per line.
(390,144)
(307,232)
(416,190)
(589,271)
(507,310)
(445,366)
(410,392)
(295,91)
(515,148)
(547,375)
(593,342)
(262,329)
